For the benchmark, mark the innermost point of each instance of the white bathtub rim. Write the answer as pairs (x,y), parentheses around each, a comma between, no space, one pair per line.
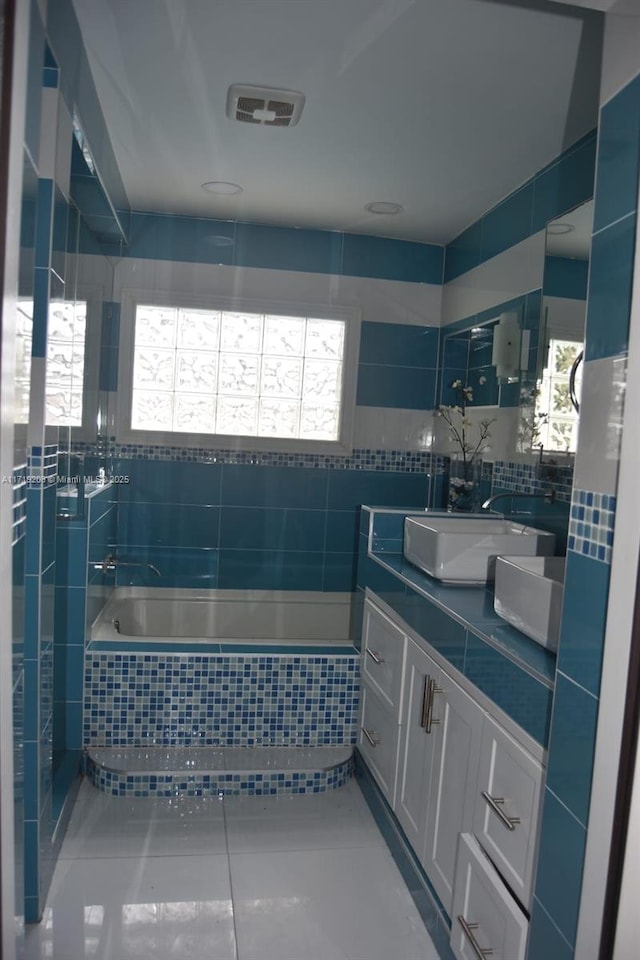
(103,629)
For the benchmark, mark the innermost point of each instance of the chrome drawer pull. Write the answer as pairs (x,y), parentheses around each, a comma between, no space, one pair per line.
(468,928)
(424,712)
(371,737)
(434,688)
(496,805)
(375,656)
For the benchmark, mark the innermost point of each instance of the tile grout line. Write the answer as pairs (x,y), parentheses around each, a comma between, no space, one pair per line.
(233,905)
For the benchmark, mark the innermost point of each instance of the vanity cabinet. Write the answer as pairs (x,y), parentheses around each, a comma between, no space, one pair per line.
(383,651)
(507,805)
(463,787)
(485,921)
(440,734)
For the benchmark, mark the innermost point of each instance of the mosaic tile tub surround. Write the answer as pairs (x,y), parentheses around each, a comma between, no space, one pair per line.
(135,699)
(233,771)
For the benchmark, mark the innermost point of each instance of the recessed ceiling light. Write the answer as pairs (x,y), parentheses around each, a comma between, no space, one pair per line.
(221,188)
(557,229)
(219,240)
(384,207)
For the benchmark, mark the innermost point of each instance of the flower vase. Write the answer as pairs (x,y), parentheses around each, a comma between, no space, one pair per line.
(464,486)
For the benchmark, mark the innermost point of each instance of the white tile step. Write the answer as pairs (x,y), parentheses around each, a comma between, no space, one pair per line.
(194,760)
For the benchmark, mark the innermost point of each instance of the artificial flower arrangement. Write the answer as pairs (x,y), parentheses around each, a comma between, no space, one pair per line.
(471,441)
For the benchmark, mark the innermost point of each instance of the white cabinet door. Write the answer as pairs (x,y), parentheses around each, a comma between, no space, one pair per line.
(378,740)
(416,744)
(507,807)
(457,724)
(382,655)
(485,919)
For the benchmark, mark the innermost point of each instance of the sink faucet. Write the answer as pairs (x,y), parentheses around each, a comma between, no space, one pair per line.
(549,497)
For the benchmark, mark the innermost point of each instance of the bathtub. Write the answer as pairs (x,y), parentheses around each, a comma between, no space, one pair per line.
(159,616)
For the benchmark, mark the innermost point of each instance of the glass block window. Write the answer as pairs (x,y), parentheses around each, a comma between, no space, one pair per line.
(24,339)
(237,373)
(66,335)
(557,418)
(65,363)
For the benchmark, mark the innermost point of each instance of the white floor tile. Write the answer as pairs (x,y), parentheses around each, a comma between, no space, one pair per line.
(345,801)
(161,908)
(325,905)
(260,836)
(104,826)
(311,879)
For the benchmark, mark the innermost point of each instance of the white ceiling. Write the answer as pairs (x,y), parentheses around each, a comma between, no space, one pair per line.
(443,106)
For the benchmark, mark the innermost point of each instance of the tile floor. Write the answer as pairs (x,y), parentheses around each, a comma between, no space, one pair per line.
(276,878)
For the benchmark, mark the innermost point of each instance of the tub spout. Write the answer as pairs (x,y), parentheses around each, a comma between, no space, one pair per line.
(111,563)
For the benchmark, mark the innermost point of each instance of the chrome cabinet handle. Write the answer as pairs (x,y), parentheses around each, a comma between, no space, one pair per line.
(373,740)
(424,712)
(434,688)
(375,656)
(468,928)
(496,805)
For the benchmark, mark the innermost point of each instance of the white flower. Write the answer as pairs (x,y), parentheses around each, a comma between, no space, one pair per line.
(482,381)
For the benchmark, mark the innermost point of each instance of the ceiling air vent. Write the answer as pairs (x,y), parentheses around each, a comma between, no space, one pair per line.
(263,105)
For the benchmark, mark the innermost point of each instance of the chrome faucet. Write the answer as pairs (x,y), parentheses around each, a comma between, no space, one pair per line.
(549,497)
(111,563)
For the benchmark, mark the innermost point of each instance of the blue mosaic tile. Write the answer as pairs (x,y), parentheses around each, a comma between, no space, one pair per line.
(143,699)
(399,461)
(19,491)
(591,524)
(527,478)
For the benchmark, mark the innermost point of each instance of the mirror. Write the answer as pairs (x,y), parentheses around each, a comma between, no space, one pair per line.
(74,365)
(491,357)
(549,415)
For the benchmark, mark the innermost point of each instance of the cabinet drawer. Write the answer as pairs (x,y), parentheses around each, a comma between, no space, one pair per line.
(507,806)
(378,740)
(485,917)
(382,655)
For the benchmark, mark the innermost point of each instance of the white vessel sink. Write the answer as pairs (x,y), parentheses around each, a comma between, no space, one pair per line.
(528,595)
(464,550)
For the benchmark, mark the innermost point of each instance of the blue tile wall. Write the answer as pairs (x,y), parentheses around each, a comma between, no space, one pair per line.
(611,278)
(572,746)
(618,157)
(518,693)
(239,526)
(154,236)
(616,203)
(562,185)
(566,278)
(565,183)
(545,939)
(365,256)
(397,366)
(38,690)
(560,862)
(508,223)
(586,592)
(155,699)
(583,620)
